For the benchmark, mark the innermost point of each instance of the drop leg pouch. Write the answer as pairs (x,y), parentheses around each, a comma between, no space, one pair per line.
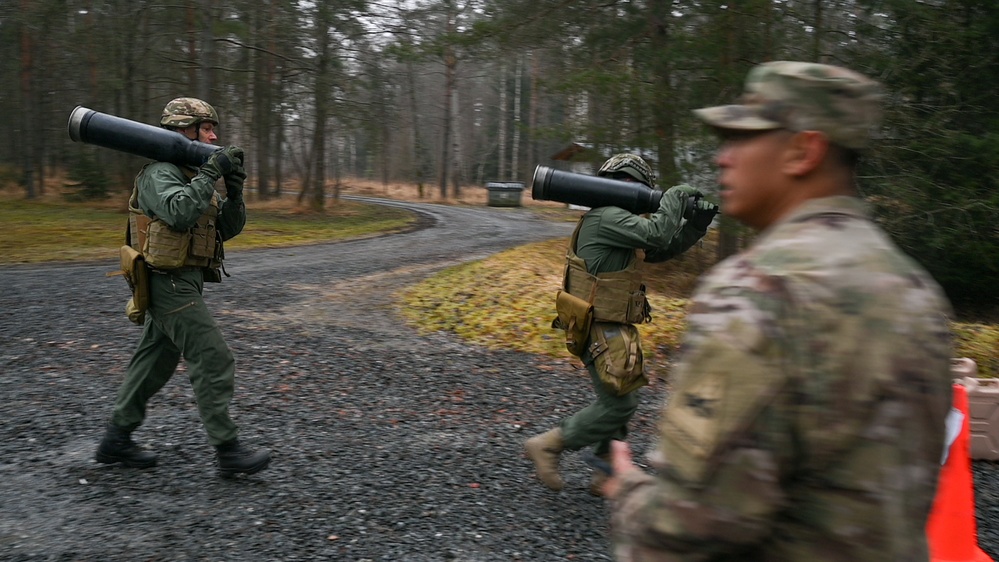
(617,356)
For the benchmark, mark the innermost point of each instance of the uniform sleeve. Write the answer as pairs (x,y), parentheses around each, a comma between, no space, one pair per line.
(620,228)
(232,217)
(687,237)
(722,437)
(165,193)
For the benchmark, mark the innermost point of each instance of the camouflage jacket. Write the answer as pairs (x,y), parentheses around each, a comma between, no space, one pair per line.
(806,420)
(609,236)
(166,192)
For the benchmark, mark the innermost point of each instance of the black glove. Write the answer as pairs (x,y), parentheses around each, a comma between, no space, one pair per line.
(704,213)
(234,183)
(686,196)
(223,162)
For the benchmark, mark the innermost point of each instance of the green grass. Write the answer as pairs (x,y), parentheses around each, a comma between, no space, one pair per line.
(44,231)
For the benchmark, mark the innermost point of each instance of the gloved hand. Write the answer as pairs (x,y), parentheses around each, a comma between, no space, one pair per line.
(704,213)
(685,190)
(686,195)
(223,162)
(234,183)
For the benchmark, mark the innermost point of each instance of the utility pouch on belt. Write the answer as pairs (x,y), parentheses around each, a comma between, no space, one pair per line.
(574,316)
(133,268)
(617,356)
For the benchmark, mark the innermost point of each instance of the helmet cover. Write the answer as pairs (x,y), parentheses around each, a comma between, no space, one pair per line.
(184,112)
(630,164)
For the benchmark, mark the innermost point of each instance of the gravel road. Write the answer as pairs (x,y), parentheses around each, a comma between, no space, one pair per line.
(387,445)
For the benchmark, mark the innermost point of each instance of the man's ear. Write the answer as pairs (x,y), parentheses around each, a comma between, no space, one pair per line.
(804,153)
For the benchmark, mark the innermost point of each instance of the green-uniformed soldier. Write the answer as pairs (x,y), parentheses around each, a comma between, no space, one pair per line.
(806,418)
(601,270)
(178,221)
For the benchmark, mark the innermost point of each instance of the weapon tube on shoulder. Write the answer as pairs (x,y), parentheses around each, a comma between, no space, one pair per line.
(124,135)
(593,191)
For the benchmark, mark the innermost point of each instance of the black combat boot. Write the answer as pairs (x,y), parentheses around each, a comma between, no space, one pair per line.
(117,446)
(234,458)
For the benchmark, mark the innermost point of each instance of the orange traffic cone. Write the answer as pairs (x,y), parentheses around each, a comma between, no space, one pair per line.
(951,529)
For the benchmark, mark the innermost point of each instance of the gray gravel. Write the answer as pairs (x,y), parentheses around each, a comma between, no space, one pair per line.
(387,445)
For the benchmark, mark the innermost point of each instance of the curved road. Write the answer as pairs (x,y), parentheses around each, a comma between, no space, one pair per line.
(387,445)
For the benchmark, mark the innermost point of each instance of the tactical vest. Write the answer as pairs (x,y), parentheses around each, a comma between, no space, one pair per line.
(617,296)
(165,248)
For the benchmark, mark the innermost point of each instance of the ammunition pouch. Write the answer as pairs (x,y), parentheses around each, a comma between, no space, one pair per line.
(574,316)
(616,296)
(165,248)
(616,351)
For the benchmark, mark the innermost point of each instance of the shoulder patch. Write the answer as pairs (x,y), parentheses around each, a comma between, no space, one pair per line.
(722,386)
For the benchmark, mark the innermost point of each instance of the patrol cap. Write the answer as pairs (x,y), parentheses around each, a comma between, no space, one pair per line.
(184,112)
(630,164)
(804,96)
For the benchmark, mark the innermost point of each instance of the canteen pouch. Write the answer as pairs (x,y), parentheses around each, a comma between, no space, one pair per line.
(133,267)
(574,316)
(616,350)
(164,247)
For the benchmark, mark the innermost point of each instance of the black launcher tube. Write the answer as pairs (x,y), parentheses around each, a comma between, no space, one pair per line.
(549,184)
(124,135)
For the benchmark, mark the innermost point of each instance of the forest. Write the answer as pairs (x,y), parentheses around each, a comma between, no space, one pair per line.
(451,94)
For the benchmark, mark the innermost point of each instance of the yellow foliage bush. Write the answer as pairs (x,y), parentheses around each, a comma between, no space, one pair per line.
(508,302)
(979,342)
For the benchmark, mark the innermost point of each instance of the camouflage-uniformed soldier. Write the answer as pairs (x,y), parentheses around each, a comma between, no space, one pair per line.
(806,420)
(178,221)
(602,269)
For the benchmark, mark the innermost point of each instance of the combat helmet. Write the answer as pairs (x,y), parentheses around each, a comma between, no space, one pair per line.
(184,112)
(630,164)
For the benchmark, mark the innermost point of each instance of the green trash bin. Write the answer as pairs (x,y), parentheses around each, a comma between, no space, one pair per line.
(505,194)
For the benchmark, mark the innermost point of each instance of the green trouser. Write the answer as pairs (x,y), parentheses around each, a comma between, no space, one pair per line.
(603,421)
(178,324)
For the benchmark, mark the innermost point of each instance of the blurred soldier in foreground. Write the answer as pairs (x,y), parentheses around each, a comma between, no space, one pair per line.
(178,222)
(806,418)
(602,298)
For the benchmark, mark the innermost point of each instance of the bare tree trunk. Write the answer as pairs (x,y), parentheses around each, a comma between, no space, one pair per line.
(449,85)
(458,161)
(515,149)
(337,159)
(663,112)
(323,83)
(450,64)
(502,123)
(263,78)
(533,111)
(27,99)
(206,58)
(319,154)
(419,152)
(191,18)
(278,143)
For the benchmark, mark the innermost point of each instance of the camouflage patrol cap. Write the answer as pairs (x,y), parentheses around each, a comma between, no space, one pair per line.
(804,96)
(630,164)
(184,112)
